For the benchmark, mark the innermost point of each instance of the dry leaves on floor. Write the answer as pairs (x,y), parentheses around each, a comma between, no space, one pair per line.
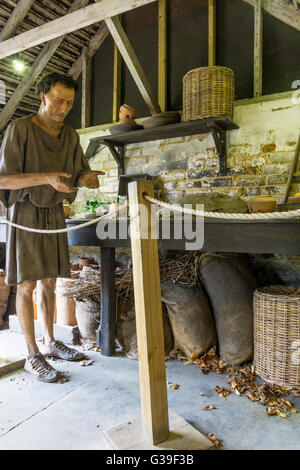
(216,442)
(208,407)
(173,386)
(87,362)
(222,392)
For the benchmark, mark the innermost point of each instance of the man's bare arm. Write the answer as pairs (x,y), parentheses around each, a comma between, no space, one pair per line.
(57,179)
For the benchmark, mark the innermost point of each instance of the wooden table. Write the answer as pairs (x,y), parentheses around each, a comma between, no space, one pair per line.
(229,236)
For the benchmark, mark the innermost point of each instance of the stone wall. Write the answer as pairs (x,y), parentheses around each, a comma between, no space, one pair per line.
(258,157)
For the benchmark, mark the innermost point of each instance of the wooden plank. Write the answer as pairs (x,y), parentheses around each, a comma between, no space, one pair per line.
(80,19)
(7,366)
(117,82)
(258,45)
(183,436)
(21,9)
(211,32)
(162,54)
(35,70)
(133,63)
(149,325)
(285,13)
(201,126)
(94,44)
(86,89)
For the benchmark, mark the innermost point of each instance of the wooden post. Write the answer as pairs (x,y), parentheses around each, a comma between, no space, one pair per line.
(86,89)
(149,325)
(106,332)
(258,42)
(211,32)
(117,81)
(162,54)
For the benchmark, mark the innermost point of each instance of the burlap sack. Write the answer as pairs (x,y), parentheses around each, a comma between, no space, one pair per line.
(126,329)
(190,316)
(230,284)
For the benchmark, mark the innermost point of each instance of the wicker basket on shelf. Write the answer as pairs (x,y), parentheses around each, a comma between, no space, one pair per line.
(208,92)
(277,335)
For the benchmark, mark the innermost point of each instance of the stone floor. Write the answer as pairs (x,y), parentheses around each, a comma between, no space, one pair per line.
(74,414)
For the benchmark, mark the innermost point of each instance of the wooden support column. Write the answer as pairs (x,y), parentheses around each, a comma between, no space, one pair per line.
(149,325)
(117,81)
(211,32)
(258,43)
(86,89)
(152,430)
(106,332)
(162,54)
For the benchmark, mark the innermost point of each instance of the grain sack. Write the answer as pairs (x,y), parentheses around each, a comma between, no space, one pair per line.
(190,316)
(4,295)
(88,319)
(126,329)
(230,284)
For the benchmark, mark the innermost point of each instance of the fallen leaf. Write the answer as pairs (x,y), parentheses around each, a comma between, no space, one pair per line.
(222,392)
(208,407)
(174,386)
(203,394)
(188,362)
(87,362)
(272,410)
(216,442)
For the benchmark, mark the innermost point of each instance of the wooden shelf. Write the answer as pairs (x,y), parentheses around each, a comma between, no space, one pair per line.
(218,126)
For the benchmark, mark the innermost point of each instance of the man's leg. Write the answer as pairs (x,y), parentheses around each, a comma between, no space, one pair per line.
(35,363)
(45,307)
(24,308)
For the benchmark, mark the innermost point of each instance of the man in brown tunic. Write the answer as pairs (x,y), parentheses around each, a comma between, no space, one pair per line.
(41,164)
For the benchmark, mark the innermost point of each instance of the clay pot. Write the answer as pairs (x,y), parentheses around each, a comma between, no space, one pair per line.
(65,307)
(262,204)
(4,295)
(126,111)
(82,261)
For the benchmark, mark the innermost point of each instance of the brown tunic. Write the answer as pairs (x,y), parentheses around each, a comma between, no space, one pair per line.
(27,148)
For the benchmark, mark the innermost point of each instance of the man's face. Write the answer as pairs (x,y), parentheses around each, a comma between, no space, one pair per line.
(58,102)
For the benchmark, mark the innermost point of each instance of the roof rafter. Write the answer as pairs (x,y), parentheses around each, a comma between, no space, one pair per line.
(285,13)
(79,19)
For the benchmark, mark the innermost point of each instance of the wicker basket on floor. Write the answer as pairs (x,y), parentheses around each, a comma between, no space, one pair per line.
(277,335)
(208,92)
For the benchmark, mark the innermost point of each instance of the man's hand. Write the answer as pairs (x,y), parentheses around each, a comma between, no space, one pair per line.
(58,180)
(90,179)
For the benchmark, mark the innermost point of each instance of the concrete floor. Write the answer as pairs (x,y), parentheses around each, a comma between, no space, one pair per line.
(73,415)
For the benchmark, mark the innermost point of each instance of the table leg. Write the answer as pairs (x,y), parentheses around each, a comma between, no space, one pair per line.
(106,331)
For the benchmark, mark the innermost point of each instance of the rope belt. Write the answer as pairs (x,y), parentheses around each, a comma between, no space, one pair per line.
(174,207)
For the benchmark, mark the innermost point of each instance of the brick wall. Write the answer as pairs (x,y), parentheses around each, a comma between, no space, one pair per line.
(258,157)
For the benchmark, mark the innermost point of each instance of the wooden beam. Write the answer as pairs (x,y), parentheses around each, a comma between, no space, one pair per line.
(79,19)
(117,82)
(133,64)
(148,309)
(17,16)
(31,75)
(285,13)
(258,47)
(94,44)
(86,89)
(162,54)
(211,32)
